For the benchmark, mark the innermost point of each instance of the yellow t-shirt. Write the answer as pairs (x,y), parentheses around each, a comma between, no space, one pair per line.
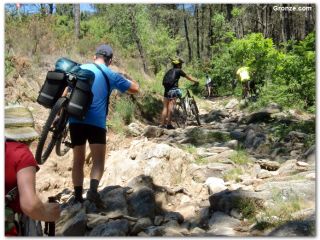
(243,74)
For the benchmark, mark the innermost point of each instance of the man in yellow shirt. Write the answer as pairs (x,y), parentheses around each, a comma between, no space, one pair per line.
(244,77)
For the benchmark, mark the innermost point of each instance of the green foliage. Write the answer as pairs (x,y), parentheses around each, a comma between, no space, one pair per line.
(282,76)
(247,206)
(281,211)
(122,113)
(190,148)
(9,67)
(241,157)
(233,174)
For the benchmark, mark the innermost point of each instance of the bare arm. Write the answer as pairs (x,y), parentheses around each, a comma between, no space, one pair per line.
(134,87)
(30,203)
(191,79)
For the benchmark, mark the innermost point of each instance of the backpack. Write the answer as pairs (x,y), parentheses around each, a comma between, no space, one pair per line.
(25,226)
(169,79)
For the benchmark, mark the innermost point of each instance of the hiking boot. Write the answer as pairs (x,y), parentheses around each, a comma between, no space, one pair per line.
(75,201)
(169,126)
(95,198)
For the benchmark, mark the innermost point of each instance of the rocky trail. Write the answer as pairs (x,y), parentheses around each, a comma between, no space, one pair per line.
(232,176)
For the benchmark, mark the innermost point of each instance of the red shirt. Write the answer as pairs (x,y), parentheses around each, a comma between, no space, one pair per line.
(18,156)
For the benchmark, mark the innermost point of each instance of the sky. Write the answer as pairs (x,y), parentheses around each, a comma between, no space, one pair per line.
(33,8)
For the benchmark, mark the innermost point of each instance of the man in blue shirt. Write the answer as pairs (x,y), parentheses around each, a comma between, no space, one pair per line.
(93,127)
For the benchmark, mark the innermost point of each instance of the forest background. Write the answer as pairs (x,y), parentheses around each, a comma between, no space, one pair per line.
(277,42)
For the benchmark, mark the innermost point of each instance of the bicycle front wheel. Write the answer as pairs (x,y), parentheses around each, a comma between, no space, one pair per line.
(50,132)
(195,111)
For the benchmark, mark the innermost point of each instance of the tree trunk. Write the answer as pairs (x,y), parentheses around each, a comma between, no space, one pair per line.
(210,32)
(76,13)
(202,27)
(197,30)
(285,25)
(187,33)
(50,8)
(137,39)
(229,11)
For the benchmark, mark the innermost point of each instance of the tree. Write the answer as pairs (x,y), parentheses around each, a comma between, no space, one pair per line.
(132,17)
(197,30)
(185,21)
(76,13)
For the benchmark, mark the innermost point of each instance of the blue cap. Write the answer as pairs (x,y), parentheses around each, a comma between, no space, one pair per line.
(104,50)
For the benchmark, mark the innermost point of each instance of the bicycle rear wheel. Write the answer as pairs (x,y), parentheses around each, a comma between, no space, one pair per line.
(63,143)
(50,132)
(180,114)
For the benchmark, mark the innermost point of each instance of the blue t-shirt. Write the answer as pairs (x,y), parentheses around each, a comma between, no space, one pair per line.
(96,114)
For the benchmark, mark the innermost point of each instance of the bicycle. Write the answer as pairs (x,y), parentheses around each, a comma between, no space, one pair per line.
(185,110)
(213,90)
(55,132)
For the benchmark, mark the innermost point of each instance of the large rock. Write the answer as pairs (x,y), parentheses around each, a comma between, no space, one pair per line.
(232,103)
(75,226)
(240,136)
(201,173)
(173,216)
(262,116)
(142,203)
(115,200)
(303,189)
(227,200)
(141,225)
(215,185)
(153,132)
(215,115)
(114,228)
(253,139)
(135,129)
(295,229)
(165,164)
(310,155)
(221,220)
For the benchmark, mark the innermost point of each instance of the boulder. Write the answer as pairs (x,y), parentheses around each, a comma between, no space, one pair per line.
(310,155)
(295,229)
(220,219)
(173,216)
(215,185)
(142,203)
(232,103)
(153,132)
(135,129)
(119,227)
(115,200)
(261,116)
(141,225)
(75,226)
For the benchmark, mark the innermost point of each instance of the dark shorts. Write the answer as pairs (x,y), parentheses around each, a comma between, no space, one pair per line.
(80,133)
(172,93)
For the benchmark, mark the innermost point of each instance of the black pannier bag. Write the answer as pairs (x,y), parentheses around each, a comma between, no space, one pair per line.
(55,82)
(52,88)
(81,96)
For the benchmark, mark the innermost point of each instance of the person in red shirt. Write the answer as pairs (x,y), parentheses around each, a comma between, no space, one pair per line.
(21,168)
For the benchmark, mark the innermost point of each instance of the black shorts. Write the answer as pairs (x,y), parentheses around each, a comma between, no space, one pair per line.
(80,133)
